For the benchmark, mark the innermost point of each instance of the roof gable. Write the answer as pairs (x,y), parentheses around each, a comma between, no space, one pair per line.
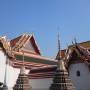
(26,43)
(74,57)
(28,47)
(77,54)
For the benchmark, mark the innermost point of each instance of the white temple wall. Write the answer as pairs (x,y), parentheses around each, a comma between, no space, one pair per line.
(16,73)
(10,72)
(2,66)
(12,75)
(40,84)
(81,82)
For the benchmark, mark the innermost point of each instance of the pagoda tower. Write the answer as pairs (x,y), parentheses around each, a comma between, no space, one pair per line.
(22,82)
(61,80)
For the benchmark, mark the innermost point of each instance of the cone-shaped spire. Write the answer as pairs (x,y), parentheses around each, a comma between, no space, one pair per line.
(22,82)
(61,80)
(74,42)
(59,50)
(59,47)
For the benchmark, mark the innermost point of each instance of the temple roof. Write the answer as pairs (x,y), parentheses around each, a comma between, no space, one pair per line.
(81,45)
(26,43)
(78,54)
(33,60)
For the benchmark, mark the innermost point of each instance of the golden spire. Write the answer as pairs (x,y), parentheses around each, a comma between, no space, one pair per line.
(59,47)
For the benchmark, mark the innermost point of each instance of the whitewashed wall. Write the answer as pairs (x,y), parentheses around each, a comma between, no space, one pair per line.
(82,82)
(11,73)
(2,66)
(41,84)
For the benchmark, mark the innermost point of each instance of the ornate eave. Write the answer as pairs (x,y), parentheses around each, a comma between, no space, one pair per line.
(32,60)
(5,47)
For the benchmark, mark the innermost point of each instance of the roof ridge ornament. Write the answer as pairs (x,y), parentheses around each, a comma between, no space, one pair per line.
(75,41)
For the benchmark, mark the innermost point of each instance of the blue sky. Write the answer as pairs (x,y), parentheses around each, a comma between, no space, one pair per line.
(43,17)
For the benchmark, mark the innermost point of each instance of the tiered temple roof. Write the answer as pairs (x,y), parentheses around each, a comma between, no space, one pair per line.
(85,45)
(25,43)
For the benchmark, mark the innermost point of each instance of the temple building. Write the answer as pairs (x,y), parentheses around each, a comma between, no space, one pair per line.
(77,58)
(39,69)
(11,53)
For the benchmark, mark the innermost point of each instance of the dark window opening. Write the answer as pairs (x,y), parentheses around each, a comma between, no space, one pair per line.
(78,73)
